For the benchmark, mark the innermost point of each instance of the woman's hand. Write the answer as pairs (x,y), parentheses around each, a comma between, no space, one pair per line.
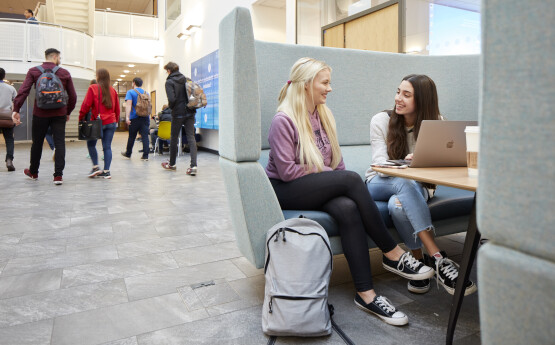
(409,157)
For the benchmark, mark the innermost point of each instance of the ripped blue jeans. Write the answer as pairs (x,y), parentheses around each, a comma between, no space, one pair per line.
(407,204)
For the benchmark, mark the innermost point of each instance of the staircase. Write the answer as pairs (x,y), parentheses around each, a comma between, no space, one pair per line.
(76,14)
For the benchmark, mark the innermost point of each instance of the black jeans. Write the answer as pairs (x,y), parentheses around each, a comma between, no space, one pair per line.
(189,123)
(345,197)
(138,125)
(8,138)
(40,127)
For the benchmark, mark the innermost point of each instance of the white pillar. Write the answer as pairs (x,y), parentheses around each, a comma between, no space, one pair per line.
(291,21)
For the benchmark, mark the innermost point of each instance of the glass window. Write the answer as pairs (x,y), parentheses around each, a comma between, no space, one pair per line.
(173,10)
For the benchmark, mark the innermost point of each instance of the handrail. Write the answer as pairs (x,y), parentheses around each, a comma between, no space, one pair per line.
(33,22)
(128,13)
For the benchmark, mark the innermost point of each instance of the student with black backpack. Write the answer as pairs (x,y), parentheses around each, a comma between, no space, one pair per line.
(54,101)
(182,115)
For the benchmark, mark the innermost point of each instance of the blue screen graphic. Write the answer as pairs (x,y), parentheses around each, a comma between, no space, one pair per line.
(205,72)
(454,31)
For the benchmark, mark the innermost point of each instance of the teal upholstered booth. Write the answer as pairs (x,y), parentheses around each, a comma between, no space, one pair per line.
(364,83)
(516,203)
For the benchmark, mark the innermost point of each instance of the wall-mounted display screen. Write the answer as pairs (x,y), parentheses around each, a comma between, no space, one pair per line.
(205,72)
(454,31)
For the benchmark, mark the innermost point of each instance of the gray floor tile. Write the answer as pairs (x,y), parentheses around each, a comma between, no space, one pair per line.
(34,333)
(31,283)
(240,328)
(40,248)
(219,293)
(159,245)
(200,255)
(117,268)
(125,320)
(161,283)
(46,305)
(69,232)
(47,262)
(246,267)
(10,239)
(126,341)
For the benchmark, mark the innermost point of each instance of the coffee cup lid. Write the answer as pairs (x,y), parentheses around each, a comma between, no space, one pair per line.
(472,129)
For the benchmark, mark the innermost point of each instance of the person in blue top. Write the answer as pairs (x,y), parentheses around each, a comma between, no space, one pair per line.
(137,124)
(29,15)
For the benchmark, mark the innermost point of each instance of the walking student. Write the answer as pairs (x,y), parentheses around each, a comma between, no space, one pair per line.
(51,109)
(307,172)
(102,98)
(7,95)
(181,116)
(393,135)
(138,123)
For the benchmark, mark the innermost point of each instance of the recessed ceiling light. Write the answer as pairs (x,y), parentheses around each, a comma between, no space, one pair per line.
(119,79)
(122,75)
(125,71)
(131,65)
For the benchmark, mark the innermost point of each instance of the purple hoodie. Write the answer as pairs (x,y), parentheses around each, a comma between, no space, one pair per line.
(284,163)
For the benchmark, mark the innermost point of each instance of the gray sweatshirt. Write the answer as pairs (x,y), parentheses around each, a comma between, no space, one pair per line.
(7,95)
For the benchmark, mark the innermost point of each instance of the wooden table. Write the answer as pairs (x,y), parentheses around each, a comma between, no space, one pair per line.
(458,178)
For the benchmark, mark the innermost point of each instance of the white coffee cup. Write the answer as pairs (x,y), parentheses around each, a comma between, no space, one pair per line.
(472,148)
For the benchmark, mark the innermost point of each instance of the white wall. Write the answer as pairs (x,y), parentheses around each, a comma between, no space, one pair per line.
(107,48)
(268,24)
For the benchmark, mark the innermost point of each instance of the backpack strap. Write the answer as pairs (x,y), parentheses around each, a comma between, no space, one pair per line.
(55,69)
(338,329)
(272,340)
(40,68)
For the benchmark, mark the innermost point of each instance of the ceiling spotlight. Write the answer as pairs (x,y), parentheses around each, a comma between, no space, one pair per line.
(125,71)
(130,65)
(183,36)
(192,27)
(119,79)
(122,75)
(108,9)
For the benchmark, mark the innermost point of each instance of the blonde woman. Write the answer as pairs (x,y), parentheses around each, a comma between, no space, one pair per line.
(307,172)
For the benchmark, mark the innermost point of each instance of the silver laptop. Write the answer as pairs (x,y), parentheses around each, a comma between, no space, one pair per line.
(440,144)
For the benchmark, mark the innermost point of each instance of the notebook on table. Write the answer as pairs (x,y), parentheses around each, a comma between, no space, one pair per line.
(439,144)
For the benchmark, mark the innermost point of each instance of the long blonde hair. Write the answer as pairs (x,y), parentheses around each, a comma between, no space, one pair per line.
(292,102)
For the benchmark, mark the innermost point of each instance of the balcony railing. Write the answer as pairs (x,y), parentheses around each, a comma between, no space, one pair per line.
(26,41)
(125,24)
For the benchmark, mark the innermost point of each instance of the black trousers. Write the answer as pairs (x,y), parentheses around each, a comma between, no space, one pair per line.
(38,132)
(8,138)
(188,122)
(345,197)
(138,125)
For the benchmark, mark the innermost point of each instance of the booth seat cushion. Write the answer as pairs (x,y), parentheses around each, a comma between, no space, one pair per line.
(447,203)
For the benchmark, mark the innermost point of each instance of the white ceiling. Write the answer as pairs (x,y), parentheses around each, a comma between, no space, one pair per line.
(17,6)
(271,3)
(116,69)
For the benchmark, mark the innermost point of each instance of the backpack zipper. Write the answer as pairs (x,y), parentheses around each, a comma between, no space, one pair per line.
(270,310)
(295,231)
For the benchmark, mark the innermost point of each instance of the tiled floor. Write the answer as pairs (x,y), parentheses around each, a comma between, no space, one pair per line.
(121,261)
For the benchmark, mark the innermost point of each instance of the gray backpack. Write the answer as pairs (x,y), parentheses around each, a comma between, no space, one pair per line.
(297,269)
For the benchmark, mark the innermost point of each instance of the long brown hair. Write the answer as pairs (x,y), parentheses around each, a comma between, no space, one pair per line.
(103,80)
(426,108)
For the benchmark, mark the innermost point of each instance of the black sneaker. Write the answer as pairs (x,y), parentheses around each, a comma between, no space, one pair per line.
(382,308)
(94,172)
(447,272)
(419,286)
(408,267)
(144,158)
(105,174)
(125,155)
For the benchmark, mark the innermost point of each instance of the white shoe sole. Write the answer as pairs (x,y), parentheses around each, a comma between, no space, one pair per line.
(400,321)
(418,290)
(468,291)
(95,174)
(417,276)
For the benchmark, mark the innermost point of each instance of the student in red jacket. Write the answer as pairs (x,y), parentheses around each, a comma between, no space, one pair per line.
(102,99)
